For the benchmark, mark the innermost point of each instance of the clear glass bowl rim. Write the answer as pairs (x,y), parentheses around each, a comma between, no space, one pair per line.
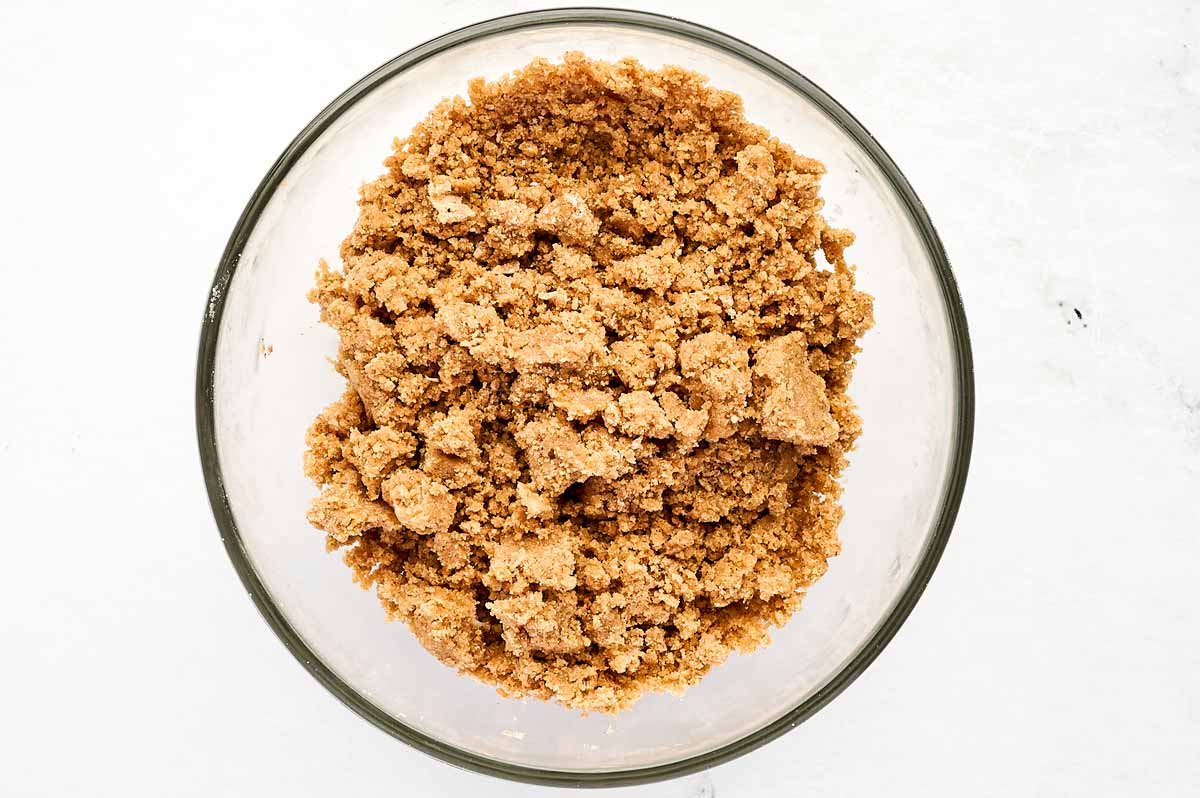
(311,661)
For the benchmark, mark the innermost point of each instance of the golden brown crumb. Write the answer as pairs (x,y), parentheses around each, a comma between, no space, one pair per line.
(596,379)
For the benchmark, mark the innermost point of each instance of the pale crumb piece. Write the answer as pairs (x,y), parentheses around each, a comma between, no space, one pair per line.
(453,550)
(420,504)
(596,383)
(450,470)
(580,404)
(478,329)
(511,231)
(795,406)
(646,272)
(416,165)
(569,219)
(689,424)
(750,188)
(386,280)
(376,454)
(530,560)
(559,455)
(453,434)
(716,370)
(536,506)
(345,512)
(558,344)
(450,207)
(637,413)
(637,364)
(532,623)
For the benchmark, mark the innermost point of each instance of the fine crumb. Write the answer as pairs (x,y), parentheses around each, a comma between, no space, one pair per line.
(596,383)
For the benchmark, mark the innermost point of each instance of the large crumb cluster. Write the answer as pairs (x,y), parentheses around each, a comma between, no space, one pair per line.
(596,382)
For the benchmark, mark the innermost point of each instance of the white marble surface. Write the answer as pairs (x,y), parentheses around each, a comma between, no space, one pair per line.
(1056,651)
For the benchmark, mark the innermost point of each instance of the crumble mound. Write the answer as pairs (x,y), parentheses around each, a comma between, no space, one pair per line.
(597,374)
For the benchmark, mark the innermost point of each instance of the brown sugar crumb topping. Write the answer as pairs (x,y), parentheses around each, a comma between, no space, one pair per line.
(597,338)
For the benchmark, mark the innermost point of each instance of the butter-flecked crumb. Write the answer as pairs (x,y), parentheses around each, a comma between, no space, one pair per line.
(596,382)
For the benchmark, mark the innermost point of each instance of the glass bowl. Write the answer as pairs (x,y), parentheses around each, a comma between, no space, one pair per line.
(263,375)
